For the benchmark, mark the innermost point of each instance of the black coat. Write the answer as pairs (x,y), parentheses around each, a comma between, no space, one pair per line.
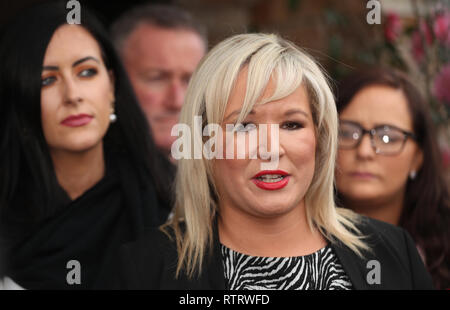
(71,248)
(150,262)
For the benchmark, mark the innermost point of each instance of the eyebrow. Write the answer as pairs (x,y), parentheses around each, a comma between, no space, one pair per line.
(76,63)
(375,126)
(287,113)
(295,111)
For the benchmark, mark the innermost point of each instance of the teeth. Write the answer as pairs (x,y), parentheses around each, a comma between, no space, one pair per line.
(271,178)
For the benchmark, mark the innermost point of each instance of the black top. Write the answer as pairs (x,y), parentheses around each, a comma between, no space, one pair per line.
(320,270)
(393,263)
(70,249)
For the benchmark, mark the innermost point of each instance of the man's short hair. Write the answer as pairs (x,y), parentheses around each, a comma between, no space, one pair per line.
(164,16)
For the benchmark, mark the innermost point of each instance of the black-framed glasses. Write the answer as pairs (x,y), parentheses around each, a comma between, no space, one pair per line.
(385,139)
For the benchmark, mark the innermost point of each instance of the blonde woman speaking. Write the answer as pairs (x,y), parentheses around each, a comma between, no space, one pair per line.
(240,225)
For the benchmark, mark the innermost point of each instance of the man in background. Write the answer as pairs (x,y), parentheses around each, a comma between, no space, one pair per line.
(160,48)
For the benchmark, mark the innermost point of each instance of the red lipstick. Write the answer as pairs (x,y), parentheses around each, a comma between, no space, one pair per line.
(271,179)
(77,120)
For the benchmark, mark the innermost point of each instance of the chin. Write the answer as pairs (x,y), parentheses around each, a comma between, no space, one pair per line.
(164,127)
(83,145)
(270,210)
(362,194)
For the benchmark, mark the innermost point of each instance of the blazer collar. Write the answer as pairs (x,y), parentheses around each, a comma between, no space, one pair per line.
(348,260)
(356,267)
(215,273)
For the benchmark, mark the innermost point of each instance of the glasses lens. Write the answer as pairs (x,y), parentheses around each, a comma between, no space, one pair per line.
(388,140)
(349,135)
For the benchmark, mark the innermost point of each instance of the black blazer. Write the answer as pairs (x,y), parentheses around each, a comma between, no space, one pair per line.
(150,262)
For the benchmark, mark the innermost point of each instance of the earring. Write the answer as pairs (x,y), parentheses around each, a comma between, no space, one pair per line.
(412,175)
(112,117)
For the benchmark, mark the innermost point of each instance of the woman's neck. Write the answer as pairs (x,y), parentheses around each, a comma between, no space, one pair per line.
(386,210)
(278,236)
(77,172)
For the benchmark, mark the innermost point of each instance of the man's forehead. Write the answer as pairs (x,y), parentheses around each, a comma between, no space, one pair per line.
(163,51)
(154,34)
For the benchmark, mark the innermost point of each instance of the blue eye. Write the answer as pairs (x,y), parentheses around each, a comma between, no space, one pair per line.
(47,81)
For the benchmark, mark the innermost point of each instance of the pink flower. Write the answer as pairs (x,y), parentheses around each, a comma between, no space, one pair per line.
(442,85)
(392,27)
(426,32)
(418,49)
(441,28)
(445,157)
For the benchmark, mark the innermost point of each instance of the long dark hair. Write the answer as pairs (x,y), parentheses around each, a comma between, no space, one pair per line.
(426,209)
(26,169)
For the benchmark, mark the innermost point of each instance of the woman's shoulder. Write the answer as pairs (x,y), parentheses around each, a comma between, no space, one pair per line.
(150,261)
(153,244)
(384,238)
(392,251)
(376,230)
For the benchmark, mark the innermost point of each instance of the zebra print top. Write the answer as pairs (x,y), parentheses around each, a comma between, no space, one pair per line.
(320,270)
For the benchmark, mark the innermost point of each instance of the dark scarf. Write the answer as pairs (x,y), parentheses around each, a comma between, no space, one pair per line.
(84,233)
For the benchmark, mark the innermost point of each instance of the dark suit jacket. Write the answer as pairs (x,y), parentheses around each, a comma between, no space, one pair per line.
(150,262)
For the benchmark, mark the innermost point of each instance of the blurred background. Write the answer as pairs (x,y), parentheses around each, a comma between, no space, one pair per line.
(413,35)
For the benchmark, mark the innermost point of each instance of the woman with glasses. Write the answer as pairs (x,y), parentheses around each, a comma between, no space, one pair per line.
(388,164)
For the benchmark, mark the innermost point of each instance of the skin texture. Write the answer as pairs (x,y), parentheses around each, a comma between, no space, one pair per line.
(160,63)
(72,89)
(262,222)
(379,195)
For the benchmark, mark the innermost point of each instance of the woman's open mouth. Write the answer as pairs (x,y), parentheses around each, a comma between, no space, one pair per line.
(271,179)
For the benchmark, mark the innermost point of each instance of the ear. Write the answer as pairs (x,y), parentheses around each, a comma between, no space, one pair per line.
(112,81)
(417,160)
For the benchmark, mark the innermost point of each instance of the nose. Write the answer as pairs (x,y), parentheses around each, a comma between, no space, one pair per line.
(365,149)
(175,94)
(269,147)
(269,140)
(71,93)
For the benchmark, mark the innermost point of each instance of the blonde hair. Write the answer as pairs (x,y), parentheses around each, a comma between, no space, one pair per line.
(265,56)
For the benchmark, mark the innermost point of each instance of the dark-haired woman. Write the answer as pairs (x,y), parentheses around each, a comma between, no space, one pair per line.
(79,173)
(389,164)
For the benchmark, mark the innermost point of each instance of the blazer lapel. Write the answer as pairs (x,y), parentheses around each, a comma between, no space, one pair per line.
(351,264)
(215,271)
(357,268)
